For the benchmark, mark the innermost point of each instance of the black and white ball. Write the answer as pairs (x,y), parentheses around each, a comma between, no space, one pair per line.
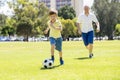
(48,63)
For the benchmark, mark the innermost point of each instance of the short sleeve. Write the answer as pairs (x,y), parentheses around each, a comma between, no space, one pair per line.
(48,23)
(79,19)
(59,23)
(94,18)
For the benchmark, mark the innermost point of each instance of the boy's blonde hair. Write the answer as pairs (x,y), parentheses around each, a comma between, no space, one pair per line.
(53,11)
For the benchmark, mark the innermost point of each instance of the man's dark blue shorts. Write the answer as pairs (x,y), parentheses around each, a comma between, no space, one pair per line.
(88,37)
(57,42)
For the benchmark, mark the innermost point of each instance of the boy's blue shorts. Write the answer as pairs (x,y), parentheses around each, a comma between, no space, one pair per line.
(88,37)
(57,42)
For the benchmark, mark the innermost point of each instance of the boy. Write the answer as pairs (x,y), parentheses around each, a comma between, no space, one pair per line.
(55,27)
(86,29)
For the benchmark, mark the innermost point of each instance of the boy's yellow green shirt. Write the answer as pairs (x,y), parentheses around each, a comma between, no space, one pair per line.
(53,32)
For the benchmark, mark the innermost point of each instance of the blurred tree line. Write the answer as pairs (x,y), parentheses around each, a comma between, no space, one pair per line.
(108,14)
(30,19)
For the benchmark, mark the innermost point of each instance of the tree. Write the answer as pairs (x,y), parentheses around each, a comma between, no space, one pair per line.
(10,22)
(2,19)
(66,12)
(36,13)
(107,13)
(6,26)
(69,29)
(7,31)
(24,28)
(117,30)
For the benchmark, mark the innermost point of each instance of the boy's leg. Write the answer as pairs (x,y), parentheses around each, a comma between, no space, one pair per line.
(60,54)
(52,52)
(52,42)
(61,60)
(59,48)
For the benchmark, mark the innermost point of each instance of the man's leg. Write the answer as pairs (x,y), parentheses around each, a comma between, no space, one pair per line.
(90,43)
(85,40)
(87,47)
(90,47)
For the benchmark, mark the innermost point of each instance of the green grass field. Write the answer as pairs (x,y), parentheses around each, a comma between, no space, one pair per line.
(23,61)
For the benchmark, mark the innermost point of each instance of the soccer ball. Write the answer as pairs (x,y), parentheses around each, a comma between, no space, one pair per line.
(48,63)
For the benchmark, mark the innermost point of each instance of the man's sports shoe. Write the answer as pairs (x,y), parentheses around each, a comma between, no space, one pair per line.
(90,55)
(61,62)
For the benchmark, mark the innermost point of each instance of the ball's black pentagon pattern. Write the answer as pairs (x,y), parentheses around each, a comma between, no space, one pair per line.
(45,66)
(45,61)
(50,64)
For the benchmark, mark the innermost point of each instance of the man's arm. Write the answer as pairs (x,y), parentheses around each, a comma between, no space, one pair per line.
(98,27)
(97,23)
(79,28)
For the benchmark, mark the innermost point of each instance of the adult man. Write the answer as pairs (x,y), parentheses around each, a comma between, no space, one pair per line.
(85,28)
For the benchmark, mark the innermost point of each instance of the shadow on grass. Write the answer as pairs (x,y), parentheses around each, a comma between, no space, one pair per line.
(82,58)
(50,68)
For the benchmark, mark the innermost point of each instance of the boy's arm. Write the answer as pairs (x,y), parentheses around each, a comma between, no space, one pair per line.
(57,28)
(46,31)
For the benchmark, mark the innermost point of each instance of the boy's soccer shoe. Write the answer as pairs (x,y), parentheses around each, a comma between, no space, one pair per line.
(61,62)
(52,59)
